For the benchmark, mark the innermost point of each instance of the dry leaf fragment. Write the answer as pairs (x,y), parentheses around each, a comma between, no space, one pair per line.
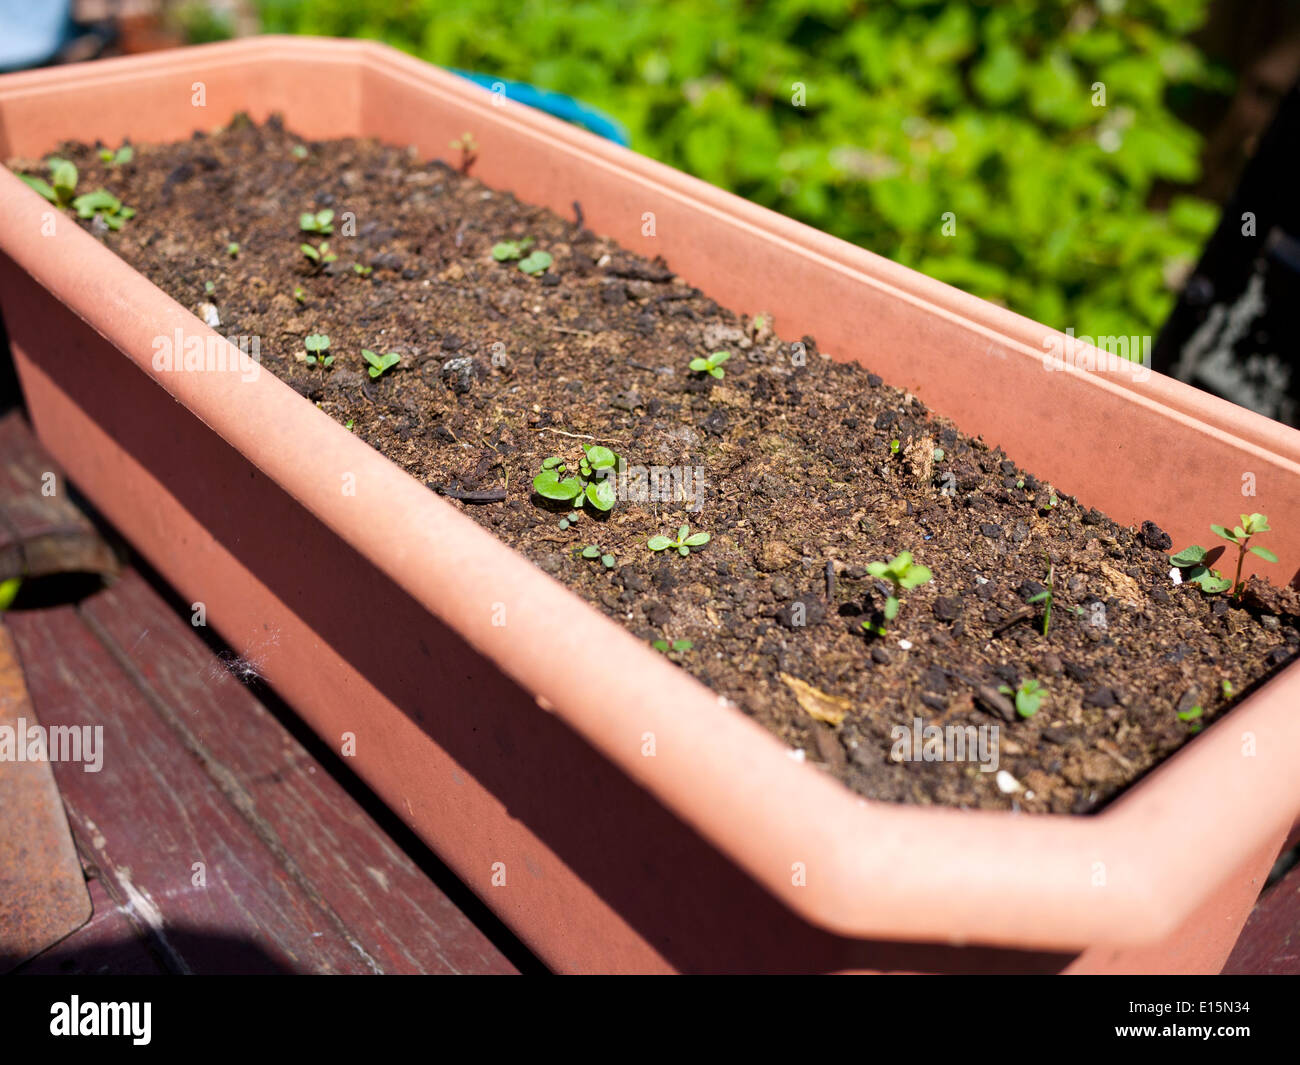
(831,709)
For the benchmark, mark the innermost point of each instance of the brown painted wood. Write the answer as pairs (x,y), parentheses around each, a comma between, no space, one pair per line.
(41,529)
(151,813)
(1270,942)
(42,892)
(113,942)
(392,910)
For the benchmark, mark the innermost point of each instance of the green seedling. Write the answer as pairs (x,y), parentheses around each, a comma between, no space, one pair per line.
(298,151)
(712,365)
(1190,715)
(317,344)
(1226,687)
(62,185)
(894,445)
(321,256)
(1048,598)
(350,423)
(321,222)
(589,484)
(9,592)
(938,454)
(677,645)
(380,363)
(1191,563)
(362,271)
(468,148)
(117,158)
(902,575)
(537,263)
(300,293)
(105,207)
(232,249)
(684,542)
(209,287)
(1240,535)
(1029,696)
(570,519)
(505,251)
(1191,560)
(591,552)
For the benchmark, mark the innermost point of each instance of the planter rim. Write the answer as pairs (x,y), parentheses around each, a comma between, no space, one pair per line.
(872,869)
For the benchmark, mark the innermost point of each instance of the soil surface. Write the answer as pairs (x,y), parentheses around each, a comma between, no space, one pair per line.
(803,487)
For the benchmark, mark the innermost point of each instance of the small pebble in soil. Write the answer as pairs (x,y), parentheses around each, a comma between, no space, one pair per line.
(1007,784)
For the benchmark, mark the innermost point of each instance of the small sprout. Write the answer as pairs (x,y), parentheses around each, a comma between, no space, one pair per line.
(680,646)
(350,423)
(1052,500)
(380,363)
(900,572)
(1029,696)
(468,148)
(321,222)
(209,287)
(1240,535)
(103,205)
(1192,559)
(1191,562)
(1226,686)
(1048,598)
(117,158)
(9,592)
(362,271)
(62,184)
(712,365)
(938,454)
(300,293)
(232,249)
(590,484)
(510,250)
(1190,715)
(894,445)
(321,256)
(298,151)
(537,263)
(684,542)
(317,344)
(592,552)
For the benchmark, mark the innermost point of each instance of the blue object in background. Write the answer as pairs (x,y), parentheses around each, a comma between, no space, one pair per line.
(553,103)
(31,33)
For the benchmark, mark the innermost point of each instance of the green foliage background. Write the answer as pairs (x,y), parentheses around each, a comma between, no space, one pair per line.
(912,109)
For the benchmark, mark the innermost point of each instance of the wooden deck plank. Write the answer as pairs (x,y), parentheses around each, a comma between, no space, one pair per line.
(390,907)
(41,529)
(111,943)
(148,816)
(1270,941)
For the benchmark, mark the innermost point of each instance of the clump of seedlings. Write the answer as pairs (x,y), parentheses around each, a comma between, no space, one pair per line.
(902,575)
(712,365)
(322,222)
(317,344)
(591,552)
(1029,696)
(589,484)
(1191,561)
(379,364)
(100,205)
(684,541)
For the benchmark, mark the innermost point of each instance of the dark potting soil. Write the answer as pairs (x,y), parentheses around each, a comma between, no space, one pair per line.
(802,486)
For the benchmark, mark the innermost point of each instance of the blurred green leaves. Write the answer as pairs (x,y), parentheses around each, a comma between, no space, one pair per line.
(908,110)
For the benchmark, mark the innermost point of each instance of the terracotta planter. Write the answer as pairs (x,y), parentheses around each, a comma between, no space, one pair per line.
(539,795)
